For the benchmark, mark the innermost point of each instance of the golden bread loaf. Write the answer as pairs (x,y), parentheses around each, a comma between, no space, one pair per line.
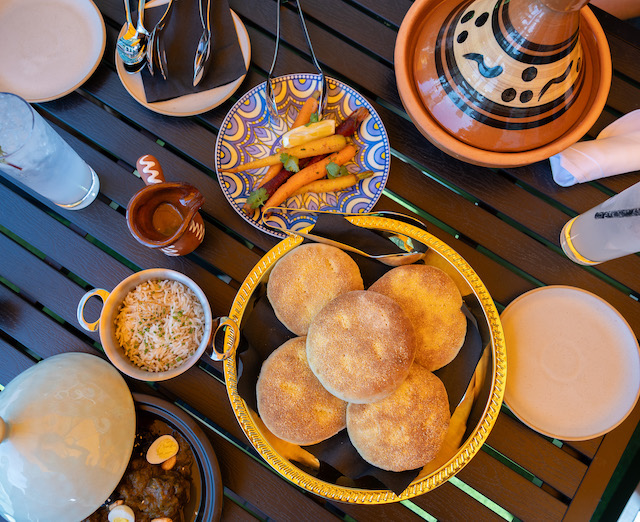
(405,430)
(432,302)
(306,279)
(360,346)
(292,403)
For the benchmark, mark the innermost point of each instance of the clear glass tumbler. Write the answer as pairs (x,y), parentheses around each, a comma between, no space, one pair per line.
(608,231)
(34,154)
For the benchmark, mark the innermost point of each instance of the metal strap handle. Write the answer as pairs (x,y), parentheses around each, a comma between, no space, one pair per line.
(102,294)
(379,213)
(270,99)
(229,326)
(412,249)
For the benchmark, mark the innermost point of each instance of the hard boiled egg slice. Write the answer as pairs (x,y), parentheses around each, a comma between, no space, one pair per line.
(163,448)
(122,513)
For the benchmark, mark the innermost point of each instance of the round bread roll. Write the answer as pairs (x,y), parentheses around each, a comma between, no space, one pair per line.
(405,430)
(432,302)
(361,346)
(306,279)
(291,401)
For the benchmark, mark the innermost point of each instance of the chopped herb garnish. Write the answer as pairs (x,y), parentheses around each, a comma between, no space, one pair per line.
(335,171)
(290,162)
(257,198)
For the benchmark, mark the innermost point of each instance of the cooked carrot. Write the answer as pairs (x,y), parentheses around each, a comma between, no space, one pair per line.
(261,194)
(271,173)
(309,174)
(309,106)
(318,147)
(333,184)
(313,148)
(349,126)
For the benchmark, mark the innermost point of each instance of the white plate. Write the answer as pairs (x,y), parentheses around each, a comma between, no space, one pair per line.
(48,48)
(574,365)
(189,104)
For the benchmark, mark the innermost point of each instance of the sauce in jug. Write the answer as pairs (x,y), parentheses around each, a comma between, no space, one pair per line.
(166,219)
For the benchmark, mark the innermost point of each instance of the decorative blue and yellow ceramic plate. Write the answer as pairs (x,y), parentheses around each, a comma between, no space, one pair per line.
(246,135)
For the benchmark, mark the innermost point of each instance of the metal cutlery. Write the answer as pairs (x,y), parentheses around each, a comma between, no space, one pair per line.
(132,45)
(274,117)
(412,249)
(203,51)
(156,54)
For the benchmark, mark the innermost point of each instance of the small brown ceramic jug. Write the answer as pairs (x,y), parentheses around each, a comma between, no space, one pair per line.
(165,215)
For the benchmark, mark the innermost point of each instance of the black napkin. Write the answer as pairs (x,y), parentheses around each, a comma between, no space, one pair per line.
(181,36)
(262,333)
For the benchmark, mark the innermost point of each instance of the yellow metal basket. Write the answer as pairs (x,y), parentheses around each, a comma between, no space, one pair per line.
(491,373)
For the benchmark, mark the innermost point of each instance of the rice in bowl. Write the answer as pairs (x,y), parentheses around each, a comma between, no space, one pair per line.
(160,324)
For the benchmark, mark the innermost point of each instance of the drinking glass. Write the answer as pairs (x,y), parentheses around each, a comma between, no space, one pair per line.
(32,153)
(608,231)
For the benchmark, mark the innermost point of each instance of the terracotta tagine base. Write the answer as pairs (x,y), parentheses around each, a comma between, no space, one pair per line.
(502,83)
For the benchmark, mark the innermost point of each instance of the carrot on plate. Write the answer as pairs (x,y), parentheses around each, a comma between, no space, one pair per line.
(333,184)
(309,106)
(271,173)
(307,175)
(313,148)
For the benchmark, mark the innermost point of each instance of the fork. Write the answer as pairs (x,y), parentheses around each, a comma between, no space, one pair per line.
(204,46)
(155,54)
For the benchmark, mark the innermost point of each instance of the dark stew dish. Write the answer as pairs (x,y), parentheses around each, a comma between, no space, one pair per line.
(152,491)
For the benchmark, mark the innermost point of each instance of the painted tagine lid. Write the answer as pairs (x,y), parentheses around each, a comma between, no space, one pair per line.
(503,76)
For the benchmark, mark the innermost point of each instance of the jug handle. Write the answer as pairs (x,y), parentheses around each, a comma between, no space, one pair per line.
(150,170)
(102,294)
(151,173)
(231,345)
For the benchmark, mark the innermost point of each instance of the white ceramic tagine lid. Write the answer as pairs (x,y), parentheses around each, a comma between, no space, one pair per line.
(67,430)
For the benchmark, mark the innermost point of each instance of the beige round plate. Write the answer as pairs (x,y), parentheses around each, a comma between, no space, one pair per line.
(48,48)
(189,104)
(574,365)
(445,258)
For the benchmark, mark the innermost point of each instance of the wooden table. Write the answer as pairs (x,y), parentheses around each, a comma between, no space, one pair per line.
(505,223)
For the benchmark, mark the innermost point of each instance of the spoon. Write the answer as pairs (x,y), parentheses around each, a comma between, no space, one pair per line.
(413,250)
(132,44)
(394,259)
(204,47)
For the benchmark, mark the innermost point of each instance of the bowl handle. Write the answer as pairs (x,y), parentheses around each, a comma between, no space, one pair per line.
(103,294)
(234,338)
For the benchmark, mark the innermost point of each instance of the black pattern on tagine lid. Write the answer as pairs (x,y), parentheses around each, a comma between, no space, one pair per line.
(504,75)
